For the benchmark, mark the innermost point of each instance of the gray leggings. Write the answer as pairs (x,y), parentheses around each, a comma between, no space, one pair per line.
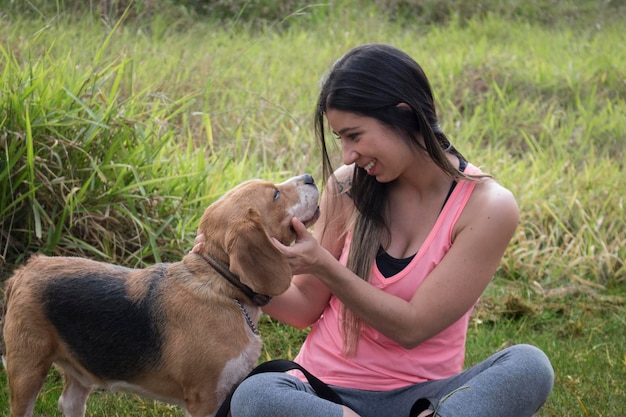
(514,382)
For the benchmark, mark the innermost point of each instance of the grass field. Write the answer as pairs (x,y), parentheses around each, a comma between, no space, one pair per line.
(115,134)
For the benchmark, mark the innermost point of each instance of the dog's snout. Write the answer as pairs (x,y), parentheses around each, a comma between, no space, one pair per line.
(304,179)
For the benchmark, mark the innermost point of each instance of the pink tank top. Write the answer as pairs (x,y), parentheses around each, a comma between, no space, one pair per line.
(380,364)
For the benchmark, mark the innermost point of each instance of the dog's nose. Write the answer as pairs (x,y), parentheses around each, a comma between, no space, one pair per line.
(308,179)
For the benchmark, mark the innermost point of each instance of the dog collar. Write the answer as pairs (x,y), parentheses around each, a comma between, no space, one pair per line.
(247,317)
(258,299)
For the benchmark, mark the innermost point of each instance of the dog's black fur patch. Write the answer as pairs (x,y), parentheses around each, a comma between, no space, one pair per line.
(111,335)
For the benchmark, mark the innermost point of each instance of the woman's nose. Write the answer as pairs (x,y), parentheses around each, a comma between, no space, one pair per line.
(349,155)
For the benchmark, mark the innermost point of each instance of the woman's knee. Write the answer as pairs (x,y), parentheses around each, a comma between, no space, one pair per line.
(534,364)
(262,394)
(249,397)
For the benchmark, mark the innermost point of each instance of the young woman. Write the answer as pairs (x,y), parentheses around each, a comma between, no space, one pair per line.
(410,235)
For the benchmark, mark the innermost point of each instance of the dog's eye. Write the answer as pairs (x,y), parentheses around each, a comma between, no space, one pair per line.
(276,194)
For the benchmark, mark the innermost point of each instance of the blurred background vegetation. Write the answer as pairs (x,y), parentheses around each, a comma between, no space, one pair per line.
(267,12)
(120,119)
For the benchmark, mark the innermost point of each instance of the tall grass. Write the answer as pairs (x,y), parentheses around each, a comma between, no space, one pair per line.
(121,127)
(100,161)
(116,134)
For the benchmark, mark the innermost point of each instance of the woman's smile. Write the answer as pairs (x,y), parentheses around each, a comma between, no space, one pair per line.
(369,166)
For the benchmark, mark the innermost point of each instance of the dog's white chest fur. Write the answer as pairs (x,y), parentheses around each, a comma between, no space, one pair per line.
(237,368)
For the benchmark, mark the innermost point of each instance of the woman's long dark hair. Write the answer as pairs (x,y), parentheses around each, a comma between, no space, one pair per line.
(372,80)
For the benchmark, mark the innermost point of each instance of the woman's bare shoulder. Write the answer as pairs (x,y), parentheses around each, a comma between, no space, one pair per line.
(341,180)
(493,200)
(491,215)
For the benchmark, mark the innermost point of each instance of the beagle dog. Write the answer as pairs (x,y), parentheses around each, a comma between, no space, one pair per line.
(183,333)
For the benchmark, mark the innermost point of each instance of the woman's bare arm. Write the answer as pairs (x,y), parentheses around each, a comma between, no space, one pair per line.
(303,303)
(445,295)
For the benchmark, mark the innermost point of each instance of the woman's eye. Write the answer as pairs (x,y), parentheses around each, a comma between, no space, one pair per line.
(351,136)
(276,194)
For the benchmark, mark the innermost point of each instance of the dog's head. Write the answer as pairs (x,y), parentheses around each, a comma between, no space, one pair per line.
(239,226)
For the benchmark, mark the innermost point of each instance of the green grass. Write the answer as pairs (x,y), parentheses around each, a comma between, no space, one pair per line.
(115,135)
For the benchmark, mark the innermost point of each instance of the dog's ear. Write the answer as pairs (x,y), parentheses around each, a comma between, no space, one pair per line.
(255,259)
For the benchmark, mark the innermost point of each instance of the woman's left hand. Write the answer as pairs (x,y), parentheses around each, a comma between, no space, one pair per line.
(304,255)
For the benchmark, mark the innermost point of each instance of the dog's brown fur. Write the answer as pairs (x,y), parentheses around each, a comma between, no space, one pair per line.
(197,344)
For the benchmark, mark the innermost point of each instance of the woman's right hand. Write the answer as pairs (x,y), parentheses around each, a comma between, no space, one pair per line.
(198,242)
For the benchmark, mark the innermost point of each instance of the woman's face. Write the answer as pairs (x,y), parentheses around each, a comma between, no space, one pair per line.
(371,145)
